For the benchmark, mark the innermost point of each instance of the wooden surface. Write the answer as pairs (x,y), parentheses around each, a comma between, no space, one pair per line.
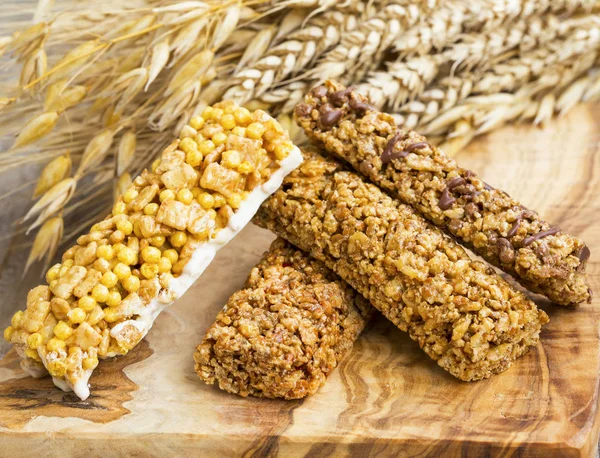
(387,398)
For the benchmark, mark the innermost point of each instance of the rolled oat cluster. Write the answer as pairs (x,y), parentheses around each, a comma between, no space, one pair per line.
(285,331)
(102,299)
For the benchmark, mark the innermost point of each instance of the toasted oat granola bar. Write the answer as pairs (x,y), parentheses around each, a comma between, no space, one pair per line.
(283,334)
(543,258)
(462,314)
(103,297)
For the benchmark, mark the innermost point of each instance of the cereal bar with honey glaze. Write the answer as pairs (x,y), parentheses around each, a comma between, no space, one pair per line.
(461,313)
(103,297)
(543,258)
(282,334)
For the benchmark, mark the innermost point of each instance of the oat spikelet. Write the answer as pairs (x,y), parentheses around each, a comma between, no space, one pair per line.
(60,97)
(34,68)
(51,202)
(46,242)
(158,61)
(95,151)
(55,171)
(122,184)
(35,129)
(126,151)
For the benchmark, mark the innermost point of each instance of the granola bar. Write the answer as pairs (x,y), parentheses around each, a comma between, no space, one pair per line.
(283,334)
(542,257)
(102,299)
(461,313)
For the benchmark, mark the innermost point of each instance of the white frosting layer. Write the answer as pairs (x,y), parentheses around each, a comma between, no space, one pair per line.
(200,260)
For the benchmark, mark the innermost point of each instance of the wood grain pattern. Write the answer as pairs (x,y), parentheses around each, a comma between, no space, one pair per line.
(387,398)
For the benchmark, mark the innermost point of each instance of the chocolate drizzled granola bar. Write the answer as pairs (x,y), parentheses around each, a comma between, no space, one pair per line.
(462,314)
(543,258)
(282,334)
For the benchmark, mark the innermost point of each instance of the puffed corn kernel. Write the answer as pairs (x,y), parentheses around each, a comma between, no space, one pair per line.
(155,164)
(109,279)
(57,368)
(122,271)
(206,147)
(255,131)
(151,254)
(8,332)
(114,299)
(105,252)
(166,194)
(187,131)
(231,159)
(245,168)
(219,200)
(234,201)
(219,138)
(87,303)
(119,208)
(16,319)
(185,196)
(164,265)
(157,241)
(68,263)
(125,226)
(52,273)
(149,270)
(171,255)
(100,292)
(228,121)
(197,122)
(127,256)
(55,344)
(282,150)
(33,354)
(178,239)
(207,113)
(90,363)
(116,237)
(131,284)
(194,158)
(216,114)
(130,194)
(76,315)
(62,330)
(239,131)
(188,144)
(206,200)
(111,315)
(34,340)
(151,209)
(242,116)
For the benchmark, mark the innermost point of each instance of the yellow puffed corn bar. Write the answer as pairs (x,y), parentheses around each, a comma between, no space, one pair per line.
(103,297)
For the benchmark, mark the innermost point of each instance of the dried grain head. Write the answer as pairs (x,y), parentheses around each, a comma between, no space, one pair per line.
(54,172)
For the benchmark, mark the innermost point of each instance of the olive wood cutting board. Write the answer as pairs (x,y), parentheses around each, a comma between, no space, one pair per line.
(386,398)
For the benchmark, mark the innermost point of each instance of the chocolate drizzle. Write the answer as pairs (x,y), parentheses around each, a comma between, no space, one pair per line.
(340,97)
(446,199)
(540,235)
(319,91)
(386,156)
(584,254)
(360,107)
(515,227)
(328,116)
